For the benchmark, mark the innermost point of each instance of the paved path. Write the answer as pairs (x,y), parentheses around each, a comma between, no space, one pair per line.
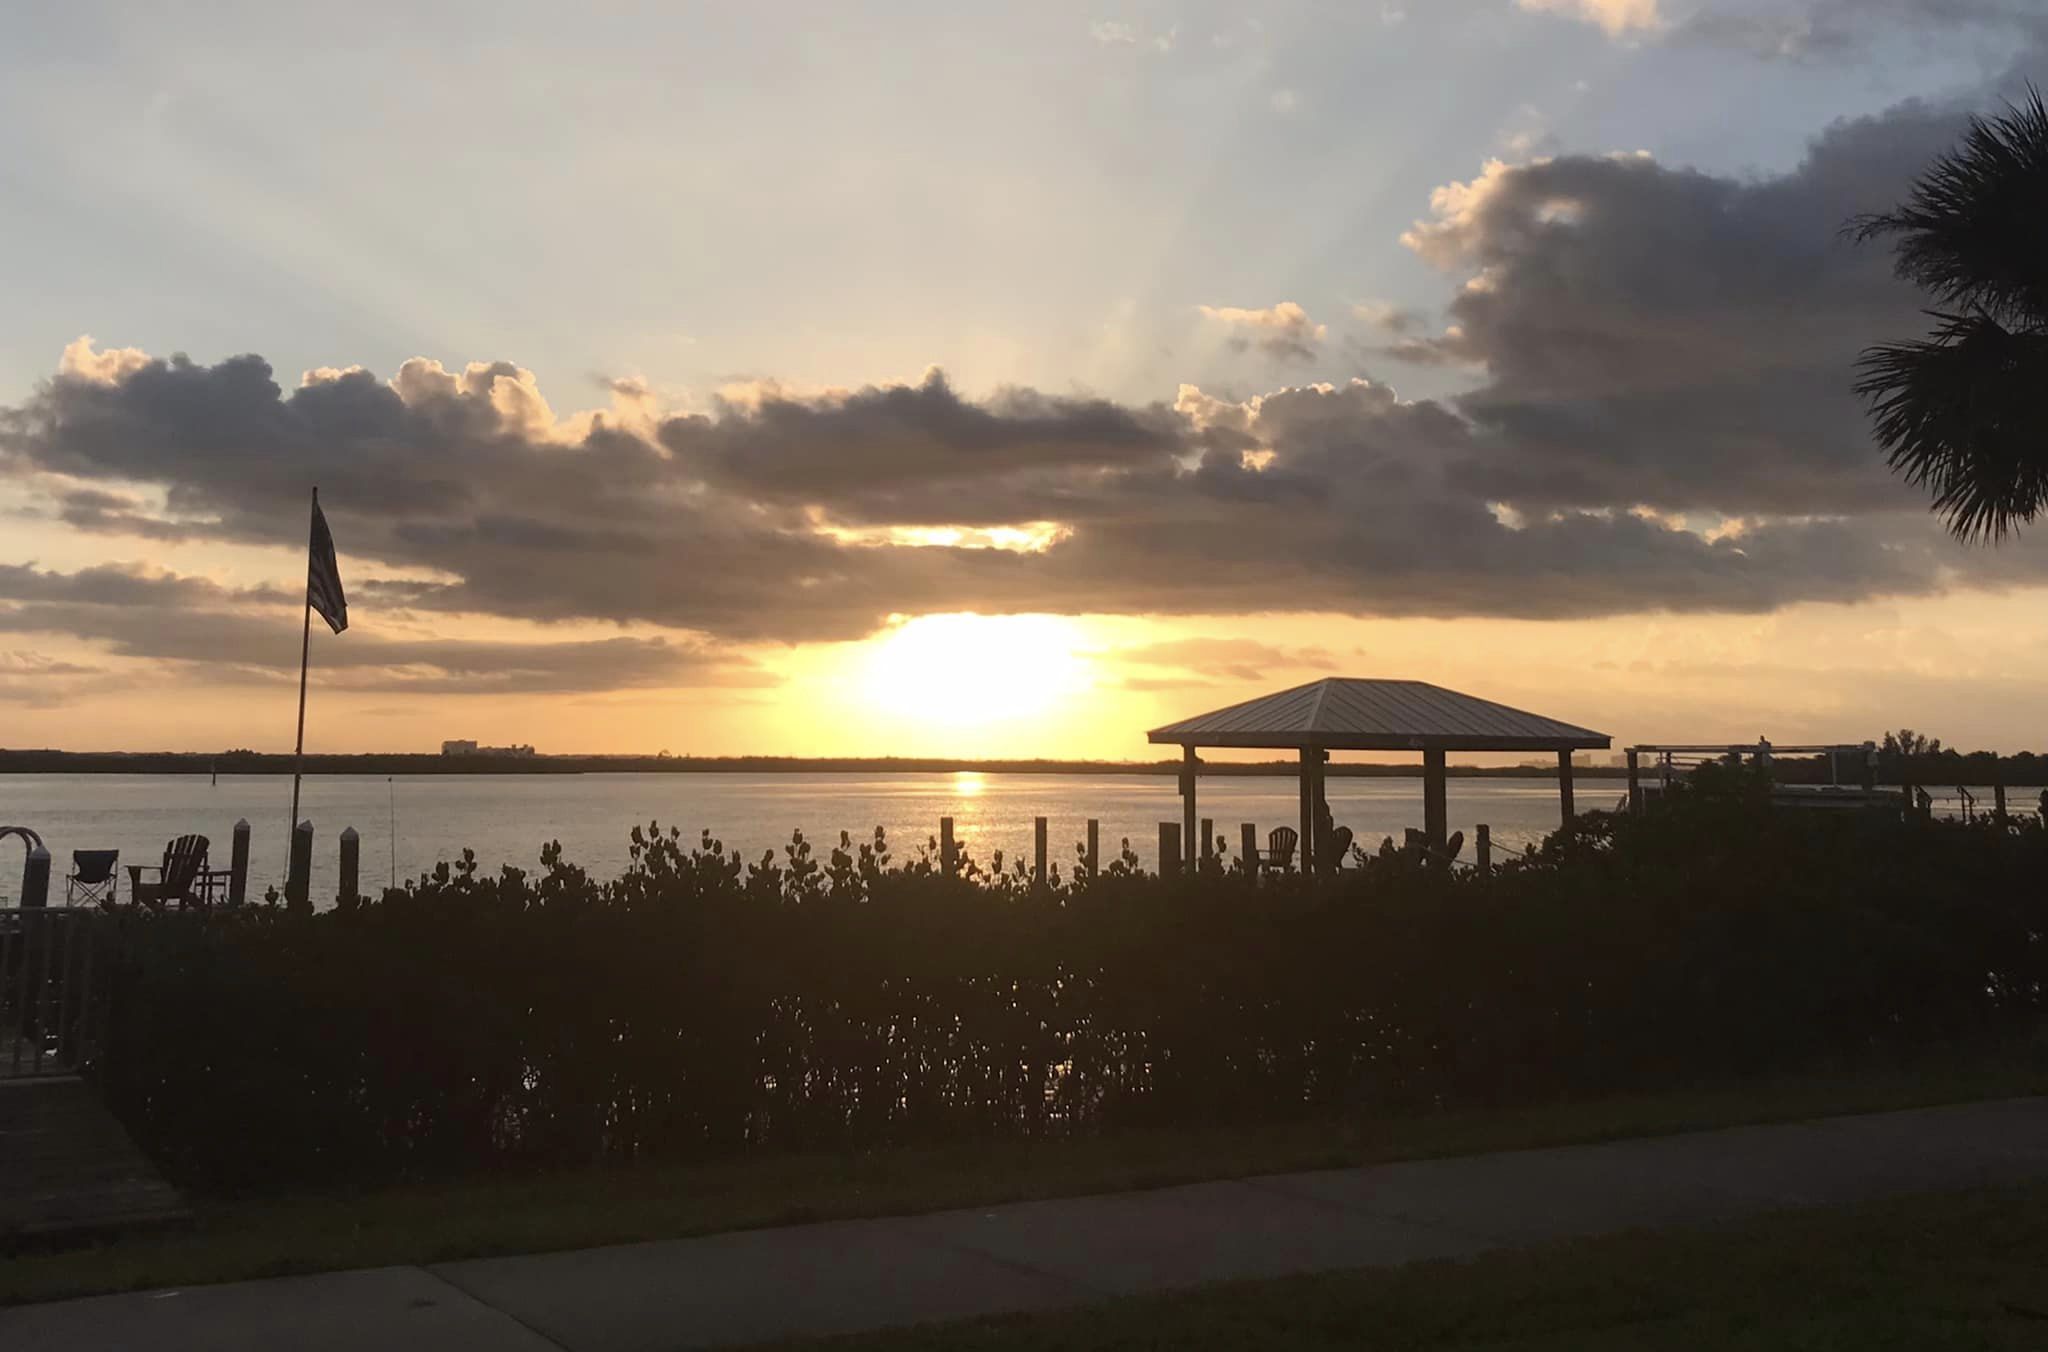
(852,1275)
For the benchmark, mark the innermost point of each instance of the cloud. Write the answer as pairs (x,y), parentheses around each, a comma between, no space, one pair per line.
(1812,29)
(904,454)
(734,526)
(36,664)
(1615,17)
(1661,419)
(1398,334)
(1651,335)
(1807,29)
(1236,659)
(1398,320)
(37,681)
(248,633)
(1283,332)
(1111,33)
(105,366)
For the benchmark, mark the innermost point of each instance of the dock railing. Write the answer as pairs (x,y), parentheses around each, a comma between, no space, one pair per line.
(53,990)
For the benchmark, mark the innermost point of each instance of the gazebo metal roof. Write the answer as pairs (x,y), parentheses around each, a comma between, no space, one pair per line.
(1351,714)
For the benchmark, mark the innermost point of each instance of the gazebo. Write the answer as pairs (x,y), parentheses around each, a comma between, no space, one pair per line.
(1351,714)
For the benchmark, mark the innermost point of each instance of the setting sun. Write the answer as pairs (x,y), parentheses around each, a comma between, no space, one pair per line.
(965,670)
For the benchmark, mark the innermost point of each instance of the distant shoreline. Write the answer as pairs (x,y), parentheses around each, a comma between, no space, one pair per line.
(20,762)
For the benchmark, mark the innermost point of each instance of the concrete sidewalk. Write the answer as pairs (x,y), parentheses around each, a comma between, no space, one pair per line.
(854,1275)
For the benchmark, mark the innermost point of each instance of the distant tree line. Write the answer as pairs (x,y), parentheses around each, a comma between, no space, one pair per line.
(701,1005)
(242,762)
(1910,757)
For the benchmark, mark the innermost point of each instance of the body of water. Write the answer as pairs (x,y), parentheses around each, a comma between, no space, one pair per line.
(409,823)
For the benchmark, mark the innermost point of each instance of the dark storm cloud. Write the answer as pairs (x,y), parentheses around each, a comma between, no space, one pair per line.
(1667,337)
(926,439)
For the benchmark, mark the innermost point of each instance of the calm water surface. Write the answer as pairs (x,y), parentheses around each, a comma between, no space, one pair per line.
(409,823)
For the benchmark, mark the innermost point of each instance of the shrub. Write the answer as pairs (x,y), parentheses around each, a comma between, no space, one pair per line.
(700,1005)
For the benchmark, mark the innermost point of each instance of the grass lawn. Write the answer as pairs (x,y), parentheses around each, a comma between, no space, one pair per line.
(502,1215)
(1966,1271)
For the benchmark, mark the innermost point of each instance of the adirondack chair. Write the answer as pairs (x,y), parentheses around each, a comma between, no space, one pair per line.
(1280,843)
(183,877)
(1340,848)
(92,877)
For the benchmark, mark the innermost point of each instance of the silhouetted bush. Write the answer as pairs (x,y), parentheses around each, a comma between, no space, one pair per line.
(698,1006)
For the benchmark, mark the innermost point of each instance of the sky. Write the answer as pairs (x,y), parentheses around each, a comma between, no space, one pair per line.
(992,380)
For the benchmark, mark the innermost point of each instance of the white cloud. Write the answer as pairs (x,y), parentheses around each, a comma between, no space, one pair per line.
(1284,330)
(104,367)
(1445,240)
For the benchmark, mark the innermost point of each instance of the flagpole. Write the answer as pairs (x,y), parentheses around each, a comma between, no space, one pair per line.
(305,651)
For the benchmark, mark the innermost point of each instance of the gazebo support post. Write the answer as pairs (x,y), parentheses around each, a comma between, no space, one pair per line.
(1309,758)
(1564,787)
(1435,812)
(1188,763)
(1326,848)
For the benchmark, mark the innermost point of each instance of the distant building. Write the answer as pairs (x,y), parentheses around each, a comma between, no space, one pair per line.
(465,747)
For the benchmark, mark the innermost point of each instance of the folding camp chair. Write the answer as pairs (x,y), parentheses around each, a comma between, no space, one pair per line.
(92,878)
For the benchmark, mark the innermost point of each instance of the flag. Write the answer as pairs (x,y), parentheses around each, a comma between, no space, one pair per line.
(323,575)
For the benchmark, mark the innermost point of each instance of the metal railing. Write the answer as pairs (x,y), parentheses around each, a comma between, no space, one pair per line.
(53,990)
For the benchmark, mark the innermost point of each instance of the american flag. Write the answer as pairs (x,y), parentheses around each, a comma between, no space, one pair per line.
(323,575)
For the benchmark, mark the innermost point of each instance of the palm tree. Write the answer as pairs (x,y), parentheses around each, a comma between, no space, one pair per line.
(1964,411)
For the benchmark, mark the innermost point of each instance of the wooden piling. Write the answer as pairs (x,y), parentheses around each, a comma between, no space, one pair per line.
(1564,788)
(299,872)
(1038,829)
(1248,834)
(238,865)
(948,860)
(35,883)
(1208,850)
(1635,783)
(1169,849)
(1484,846)
(1094,848)
(351,858)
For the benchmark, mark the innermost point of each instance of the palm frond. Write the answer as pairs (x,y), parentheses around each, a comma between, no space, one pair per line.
(1971,232)
(1964,414)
